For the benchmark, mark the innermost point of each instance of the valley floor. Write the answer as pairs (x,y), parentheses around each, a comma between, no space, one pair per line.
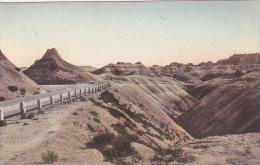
(68,129)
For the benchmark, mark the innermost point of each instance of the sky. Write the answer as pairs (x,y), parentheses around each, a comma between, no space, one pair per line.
(156,32)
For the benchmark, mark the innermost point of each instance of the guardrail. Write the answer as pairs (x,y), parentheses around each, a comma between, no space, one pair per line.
(39,103)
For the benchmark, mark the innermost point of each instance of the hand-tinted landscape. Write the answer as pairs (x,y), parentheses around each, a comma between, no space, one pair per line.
(63,109)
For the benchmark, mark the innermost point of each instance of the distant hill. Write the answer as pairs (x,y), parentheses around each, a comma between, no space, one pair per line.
(52,69)
(13,83)
(124,69)
(240,59)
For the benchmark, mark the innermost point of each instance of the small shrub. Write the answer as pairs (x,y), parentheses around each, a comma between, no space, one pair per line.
(49,156)
(12,88)
(23,91)
(101,140)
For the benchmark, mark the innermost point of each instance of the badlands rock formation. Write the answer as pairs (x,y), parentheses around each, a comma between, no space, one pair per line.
(241,59)
(229,105)
(124,69)
(172,114)
(52,69)
(13,83)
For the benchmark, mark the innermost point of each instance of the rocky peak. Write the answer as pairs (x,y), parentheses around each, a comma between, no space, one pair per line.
(52,69)
(139,63)
(2,56)
(51,54)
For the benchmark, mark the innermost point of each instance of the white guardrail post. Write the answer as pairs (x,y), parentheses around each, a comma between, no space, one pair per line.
(39,106)
(61,98)
(91,90)
(51,100)
(80,92)
(85,92)
(75,94)
(2,119)
(23,110)
(69,97)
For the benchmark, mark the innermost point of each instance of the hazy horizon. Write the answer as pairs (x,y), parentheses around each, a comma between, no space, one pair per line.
(99,33)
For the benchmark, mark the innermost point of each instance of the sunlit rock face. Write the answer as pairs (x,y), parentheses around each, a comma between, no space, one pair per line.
(13,83)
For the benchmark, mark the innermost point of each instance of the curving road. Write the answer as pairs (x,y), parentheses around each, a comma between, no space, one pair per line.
(12,107)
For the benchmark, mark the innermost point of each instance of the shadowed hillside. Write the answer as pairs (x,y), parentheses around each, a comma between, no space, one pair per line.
(228,106)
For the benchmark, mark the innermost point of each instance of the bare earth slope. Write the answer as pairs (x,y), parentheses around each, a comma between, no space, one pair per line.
(52,69)
(99,131)
(124,69)
(128,123)
(231,108)
(165,93)
(13,83)
(241,149)
(112,131)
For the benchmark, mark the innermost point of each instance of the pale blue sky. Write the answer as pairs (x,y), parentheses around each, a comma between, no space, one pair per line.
(98,33)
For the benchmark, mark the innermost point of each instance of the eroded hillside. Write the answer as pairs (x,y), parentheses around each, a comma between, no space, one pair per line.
(13,83)
(124,124)
(228,106)
(150,116)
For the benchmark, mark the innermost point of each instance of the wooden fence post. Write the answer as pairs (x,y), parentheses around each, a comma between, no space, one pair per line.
(61,98)
(69,97)
(39,106)
(23,110)
(51,100)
